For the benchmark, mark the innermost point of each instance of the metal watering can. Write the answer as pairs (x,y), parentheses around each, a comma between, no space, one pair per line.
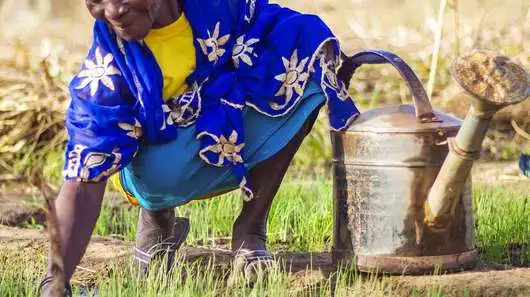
(402,185)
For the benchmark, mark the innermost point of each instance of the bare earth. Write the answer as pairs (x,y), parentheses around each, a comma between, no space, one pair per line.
(306,269)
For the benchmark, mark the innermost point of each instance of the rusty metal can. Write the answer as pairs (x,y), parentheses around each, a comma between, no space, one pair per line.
(383,168)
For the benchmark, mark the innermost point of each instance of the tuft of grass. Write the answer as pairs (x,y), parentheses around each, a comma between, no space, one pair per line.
(19,278)
(20,275)
(301,219)
(502,217)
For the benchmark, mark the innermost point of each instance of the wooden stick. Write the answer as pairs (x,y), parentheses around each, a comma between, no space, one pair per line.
(436,51)
(456,8)
(57,265)
(520,130)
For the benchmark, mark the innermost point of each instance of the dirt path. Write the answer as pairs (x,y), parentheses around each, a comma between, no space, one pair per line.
(500,174)
(100,256)
(305,269)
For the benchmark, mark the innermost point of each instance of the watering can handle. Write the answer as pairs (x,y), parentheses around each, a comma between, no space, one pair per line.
(422,103)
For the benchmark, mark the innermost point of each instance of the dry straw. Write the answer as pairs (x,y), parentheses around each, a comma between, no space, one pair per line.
(32,104)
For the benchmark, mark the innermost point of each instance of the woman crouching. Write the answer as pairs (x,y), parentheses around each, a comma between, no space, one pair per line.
(181,100)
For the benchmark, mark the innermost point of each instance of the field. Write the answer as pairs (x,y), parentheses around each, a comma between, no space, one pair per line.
(300,231)
(43,45)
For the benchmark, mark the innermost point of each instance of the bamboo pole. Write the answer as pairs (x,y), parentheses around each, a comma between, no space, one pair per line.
(57,268)
(456,9)
(436,51)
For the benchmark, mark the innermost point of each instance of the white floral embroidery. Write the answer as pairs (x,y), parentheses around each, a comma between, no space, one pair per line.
(294,79)
(251,10)
(74,161)
(243,51)
(184,109)
(213,46)
(330,79)
(134,131)
(228,149)
(97,159)
(98,71)
(92,160)
(343,93)
(232,104)
(173,115)
(329,70)
(248,195)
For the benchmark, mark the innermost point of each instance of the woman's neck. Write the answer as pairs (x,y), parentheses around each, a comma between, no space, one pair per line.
(168,12)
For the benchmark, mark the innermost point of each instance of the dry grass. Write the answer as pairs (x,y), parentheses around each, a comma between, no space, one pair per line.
(38,56)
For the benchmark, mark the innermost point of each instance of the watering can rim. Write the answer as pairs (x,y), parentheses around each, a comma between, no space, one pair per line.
(401,119)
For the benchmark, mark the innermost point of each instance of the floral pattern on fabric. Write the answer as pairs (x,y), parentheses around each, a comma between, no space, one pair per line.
(117,97)
(183,110)
(213,45)
(228,150)
(134,131)
(251,10)
(294,79)
(330,79)
(95,160)
(98,71)
(244,51)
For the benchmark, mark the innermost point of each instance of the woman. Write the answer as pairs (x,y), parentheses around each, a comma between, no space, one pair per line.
(186,100)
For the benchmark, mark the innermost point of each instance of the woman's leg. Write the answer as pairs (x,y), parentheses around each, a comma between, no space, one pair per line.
(153,227)
(159,234)
(249,230)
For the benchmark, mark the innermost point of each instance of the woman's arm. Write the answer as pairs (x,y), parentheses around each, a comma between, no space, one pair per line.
(78,207)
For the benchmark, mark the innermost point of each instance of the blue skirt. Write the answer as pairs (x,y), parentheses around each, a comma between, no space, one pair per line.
(172,174)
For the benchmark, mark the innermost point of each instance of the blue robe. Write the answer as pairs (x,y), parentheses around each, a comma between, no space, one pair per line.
(249,53)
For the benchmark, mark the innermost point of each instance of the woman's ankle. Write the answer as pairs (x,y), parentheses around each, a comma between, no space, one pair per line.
(249,242)
(154,227)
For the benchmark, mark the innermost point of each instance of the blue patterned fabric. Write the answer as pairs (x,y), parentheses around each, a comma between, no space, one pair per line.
(249,53)
(524,164)
(172,174)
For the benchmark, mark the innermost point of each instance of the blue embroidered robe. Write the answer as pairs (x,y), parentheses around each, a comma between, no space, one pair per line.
(249,53)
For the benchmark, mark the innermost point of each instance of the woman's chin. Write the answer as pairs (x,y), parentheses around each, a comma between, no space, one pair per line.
(131,35)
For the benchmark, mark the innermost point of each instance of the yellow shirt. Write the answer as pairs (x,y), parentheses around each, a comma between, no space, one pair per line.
(174,51)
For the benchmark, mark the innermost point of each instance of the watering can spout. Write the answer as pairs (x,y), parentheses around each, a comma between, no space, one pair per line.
(495,82)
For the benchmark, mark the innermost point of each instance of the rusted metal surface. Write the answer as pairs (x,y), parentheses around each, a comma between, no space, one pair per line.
(381,181)
(495,82)
(418,265)
(384,167)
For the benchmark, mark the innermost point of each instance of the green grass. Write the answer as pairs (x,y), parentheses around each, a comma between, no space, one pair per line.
(503,219)
(300,220)
(19,278)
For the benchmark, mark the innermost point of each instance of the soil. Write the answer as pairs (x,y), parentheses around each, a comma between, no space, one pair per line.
(306,270)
